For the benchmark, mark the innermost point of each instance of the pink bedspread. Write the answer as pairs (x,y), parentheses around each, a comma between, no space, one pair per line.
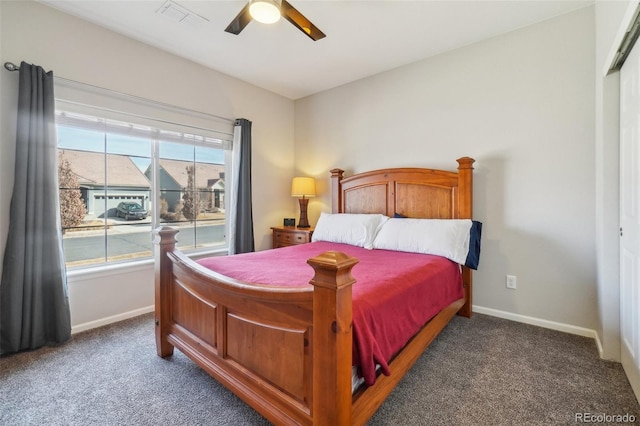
(395,293)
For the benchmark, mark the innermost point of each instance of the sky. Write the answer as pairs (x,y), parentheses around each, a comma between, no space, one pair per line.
(138,149)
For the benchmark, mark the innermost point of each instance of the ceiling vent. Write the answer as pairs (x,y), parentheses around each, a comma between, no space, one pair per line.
(181,14)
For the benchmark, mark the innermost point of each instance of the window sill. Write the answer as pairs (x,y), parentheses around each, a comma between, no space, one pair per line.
(109,269)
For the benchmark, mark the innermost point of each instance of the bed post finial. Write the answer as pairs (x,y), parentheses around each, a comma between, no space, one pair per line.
(336,190)
(466,161)
(164,240)
(332,338)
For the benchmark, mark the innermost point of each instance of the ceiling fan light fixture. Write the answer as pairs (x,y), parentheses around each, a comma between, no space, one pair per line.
(273,9)
(265,11)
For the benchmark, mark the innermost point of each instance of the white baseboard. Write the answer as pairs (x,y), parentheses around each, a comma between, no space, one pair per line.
(567,328)
(109,320)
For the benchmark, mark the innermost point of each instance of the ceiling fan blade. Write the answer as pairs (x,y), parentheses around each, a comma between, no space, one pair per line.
(292,15)
(240,21)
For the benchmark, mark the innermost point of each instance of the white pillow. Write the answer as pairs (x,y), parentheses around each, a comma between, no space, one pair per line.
(346,228)
(443,237)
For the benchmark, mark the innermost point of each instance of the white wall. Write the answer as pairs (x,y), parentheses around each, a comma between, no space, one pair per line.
(522,105)
(78,50)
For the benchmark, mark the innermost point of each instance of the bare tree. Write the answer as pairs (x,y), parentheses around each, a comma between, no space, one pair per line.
(190,202)
(72,207)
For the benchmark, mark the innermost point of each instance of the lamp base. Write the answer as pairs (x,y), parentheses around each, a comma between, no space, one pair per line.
(303,222)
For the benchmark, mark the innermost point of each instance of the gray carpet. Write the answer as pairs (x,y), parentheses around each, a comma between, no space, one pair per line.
(482,371)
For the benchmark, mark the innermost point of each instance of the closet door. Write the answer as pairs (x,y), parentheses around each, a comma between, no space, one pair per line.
(630,214)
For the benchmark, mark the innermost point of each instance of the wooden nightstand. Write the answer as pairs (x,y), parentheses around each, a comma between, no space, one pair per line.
(284,236)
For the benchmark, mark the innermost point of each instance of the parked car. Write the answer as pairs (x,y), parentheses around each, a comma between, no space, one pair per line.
(130,210)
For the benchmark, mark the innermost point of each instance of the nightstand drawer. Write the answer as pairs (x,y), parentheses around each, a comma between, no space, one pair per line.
(290,236)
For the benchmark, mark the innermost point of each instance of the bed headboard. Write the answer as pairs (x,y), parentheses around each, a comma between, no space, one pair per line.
(411,192)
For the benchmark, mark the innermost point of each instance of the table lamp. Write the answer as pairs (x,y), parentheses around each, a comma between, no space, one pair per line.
(303,187)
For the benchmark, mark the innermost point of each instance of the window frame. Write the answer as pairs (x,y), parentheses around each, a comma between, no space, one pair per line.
(157,135)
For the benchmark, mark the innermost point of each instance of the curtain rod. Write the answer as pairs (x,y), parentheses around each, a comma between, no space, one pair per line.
(10,66)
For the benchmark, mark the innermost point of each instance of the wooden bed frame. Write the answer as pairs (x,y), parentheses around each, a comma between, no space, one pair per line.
(287,351)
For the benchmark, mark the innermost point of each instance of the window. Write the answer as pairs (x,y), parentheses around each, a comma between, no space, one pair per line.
(119,180)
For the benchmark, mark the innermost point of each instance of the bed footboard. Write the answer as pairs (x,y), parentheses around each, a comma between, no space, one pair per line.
(284,351)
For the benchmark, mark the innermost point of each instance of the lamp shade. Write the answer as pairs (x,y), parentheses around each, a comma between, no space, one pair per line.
(265,11)
(303,187)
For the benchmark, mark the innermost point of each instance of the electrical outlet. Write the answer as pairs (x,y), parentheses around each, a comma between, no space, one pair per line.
(511,282)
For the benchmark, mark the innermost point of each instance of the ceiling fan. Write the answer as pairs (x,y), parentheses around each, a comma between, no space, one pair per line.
(269,11)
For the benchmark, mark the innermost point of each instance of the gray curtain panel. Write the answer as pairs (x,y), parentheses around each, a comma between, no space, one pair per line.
(34,304)
(244,211)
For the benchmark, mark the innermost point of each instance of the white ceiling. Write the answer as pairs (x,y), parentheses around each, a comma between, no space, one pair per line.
(363,37)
